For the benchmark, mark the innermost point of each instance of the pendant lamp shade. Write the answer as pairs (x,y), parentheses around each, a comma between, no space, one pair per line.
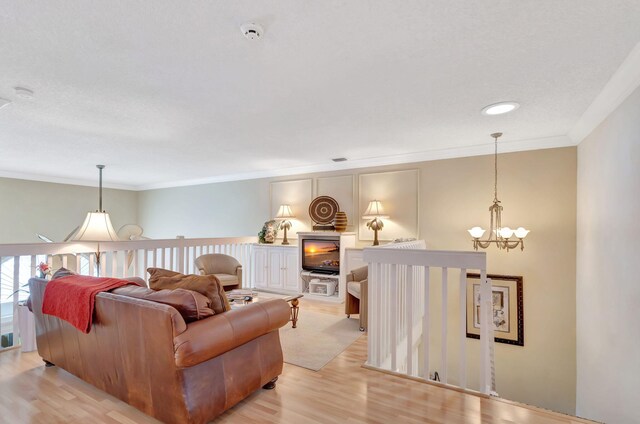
(96,227)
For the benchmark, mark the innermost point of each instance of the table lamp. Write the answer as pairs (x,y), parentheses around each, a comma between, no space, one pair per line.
(375,212)
(284,213)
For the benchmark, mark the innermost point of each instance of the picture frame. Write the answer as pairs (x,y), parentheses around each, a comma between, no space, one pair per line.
(508,308)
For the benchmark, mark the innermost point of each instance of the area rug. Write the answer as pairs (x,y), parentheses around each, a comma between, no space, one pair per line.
(318,338)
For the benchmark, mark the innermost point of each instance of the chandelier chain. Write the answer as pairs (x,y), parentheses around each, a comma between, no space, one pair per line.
(498,234)
(495,165)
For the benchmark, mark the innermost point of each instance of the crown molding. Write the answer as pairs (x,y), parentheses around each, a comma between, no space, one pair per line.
(623,82)
(425,156)
(61,180)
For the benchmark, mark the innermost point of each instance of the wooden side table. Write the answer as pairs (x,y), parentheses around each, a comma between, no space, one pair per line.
(294,301)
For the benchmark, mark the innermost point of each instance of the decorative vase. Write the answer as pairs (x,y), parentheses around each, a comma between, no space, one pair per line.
(340,222)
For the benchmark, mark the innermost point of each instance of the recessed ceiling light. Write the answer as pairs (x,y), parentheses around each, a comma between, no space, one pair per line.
(500,108)
(4,102)
(24,93)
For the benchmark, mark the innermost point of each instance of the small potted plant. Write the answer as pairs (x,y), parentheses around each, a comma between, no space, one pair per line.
(43,270)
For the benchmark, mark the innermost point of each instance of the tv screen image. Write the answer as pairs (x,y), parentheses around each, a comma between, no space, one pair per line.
(321,255)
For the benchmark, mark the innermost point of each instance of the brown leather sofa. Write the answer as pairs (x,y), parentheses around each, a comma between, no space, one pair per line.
(144,353)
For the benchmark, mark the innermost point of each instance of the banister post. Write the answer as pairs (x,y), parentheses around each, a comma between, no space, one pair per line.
(181,254)
(486,333)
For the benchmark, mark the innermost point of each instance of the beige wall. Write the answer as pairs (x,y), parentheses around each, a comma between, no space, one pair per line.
(231,209)
(538,191)
(608,291)
(54,210)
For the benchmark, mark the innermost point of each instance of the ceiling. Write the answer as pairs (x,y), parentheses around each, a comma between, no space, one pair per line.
(167,92)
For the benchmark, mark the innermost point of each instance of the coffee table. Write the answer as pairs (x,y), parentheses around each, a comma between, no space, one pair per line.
(293,300)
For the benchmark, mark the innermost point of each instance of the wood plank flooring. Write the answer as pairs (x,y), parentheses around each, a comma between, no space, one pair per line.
(342,392)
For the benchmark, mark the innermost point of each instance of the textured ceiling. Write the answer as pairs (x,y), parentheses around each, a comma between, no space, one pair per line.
(167,91)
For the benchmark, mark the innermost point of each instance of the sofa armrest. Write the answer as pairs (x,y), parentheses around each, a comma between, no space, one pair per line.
(213,336)
(239,275)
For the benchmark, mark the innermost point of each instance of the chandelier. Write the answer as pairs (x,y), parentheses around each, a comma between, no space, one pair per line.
(498,235)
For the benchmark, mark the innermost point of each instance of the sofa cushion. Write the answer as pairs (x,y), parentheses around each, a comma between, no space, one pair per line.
(191,305)
(161,272)
(354,288)
(208,285)
(227,280)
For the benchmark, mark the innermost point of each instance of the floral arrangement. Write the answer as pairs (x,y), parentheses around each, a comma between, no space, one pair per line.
(43,270)
(269,232)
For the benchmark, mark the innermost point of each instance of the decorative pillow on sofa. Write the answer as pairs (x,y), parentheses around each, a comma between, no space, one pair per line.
(208,285)
(191,305)
(62,272)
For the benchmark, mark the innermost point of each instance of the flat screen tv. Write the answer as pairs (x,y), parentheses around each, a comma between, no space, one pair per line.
(321,255)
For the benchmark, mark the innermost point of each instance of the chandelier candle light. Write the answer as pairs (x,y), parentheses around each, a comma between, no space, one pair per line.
(498,234)
(375,213)
(97,226)
(284,213)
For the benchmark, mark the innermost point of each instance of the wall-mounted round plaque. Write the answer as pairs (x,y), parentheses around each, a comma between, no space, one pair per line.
(323,209)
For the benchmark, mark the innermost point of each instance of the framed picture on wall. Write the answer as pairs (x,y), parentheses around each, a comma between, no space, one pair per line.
(507,311)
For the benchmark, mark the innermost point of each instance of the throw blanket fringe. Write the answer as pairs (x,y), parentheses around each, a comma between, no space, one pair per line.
(72,298)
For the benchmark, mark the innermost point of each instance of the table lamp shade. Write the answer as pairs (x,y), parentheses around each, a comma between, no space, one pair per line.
(375,210)
(96,227)
(284,212)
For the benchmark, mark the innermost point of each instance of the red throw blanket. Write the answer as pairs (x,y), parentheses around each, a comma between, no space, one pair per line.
(72,298)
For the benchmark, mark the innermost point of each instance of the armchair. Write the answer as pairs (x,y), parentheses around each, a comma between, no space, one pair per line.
(225,267)
(357,297)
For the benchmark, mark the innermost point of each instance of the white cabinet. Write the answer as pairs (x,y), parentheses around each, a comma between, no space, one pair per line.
(260,267)
(276,267)
(290,276)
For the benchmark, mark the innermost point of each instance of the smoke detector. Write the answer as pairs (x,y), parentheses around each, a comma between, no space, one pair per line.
(252,31)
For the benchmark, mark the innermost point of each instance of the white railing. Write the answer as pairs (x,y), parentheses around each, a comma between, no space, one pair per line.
(18,263)
(402,312)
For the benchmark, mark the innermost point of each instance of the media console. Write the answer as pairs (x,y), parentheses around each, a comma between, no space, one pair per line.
(279,268)
(345,241)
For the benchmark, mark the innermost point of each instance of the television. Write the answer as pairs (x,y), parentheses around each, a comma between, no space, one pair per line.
(321,255)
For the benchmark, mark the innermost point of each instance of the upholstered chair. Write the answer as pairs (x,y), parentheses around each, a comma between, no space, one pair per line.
(357,297)
(225,267)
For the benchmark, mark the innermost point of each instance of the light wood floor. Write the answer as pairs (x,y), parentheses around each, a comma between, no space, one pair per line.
(342,392)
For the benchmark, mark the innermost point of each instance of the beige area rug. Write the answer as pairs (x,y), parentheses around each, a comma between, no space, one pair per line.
(318,337)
